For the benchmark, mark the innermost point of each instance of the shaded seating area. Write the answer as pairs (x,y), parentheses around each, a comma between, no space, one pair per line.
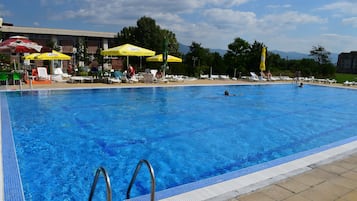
(39,75)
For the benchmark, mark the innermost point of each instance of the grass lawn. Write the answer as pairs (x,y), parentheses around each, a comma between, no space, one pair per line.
(341,77)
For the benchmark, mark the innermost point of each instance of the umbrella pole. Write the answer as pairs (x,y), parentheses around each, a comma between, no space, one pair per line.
(15,64)
(140,62)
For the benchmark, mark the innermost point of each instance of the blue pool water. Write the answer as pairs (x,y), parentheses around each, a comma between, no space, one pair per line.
(187,133)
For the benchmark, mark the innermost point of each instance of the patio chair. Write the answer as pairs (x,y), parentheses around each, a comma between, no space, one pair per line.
(117,77)
(59,76)
(16,77)
(4,78)
(42,73)
(255,77)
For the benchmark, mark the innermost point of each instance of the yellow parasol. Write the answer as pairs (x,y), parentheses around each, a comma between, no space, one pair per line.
(54,55)
(31,56)
(159,58)
(127,50)
(262,59)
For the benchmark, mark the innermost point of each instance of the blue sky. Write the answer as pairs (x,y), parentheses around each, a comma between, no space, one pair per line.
(290,25)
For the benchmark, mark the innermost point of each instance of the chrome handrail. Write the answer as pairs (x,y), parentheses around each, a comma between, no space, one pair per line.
(107,182)
(152,175)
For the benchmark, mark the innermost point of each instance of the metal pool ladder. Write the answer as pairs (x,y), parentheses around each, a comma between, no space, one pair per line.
(152,175)
(107,181)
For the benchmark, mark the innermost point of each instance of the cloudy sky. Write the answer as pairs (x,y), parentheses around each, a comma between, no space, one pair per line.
(286,25)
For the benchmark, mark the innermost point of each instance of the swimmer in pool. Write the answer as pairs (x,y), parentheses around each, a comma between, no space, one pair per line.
(226,93)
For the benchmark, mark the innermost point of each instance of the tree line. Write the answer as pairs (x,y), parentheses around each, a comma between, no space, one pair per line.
(240,58)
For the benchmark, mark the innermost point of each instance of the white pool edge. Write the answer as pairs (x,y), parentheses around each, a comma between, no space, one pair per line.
(250,182)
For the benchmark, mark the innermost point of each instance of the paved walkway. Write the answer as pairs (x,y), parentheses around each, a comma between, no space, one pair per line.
(335,181)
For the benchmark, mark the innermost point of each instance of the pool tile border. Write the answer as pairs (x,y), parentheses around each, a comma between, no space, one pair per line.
(246,180)
(12,181)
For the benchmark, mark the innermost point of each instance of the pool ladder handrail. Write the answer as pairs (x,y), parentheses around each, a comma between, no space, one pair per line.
(107,182)
(152,175)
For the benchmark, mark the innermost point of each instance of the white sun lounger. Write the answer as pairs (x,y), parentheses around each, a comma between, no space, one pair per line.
(80,79)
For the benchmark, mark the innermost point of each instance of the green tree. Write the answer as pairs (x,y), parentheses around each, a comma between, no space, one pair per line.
(325,67)
(82,55)
(236,56)
(254,56)
(126,35)
(216,61)
(320,54)
(274,62)
(197,59)
(148,35)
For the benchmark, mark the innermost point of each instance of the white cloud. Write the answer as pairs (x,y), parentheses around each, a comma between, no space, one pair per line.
(342,43)
(226,3)
(350,21)
(278,6)
(293,18)
(225,18)
(343,7)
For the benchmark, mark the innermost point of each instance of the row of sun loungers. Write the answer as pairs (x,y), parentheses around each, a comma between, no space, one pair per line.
(349,83)
(215,77)
(255,77)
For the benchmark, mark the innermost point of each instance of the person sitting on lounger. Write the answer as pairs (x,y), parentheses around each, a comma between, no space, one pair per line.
(131,71)
(158,74)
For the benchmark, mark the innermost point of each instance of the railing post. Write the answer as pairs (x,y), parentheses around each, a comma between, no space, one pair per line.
(152,175)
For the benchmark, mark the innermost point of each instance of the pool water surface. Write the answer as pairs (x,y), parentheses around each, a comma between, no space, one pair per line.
(187,133)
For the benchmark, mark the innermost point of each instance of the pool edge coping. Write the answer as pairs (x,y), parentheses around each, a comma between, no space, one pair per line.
(247,183)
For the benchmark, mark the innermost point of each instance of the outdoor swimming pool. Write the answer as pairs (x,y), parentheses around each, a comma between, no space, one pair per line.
(187,133)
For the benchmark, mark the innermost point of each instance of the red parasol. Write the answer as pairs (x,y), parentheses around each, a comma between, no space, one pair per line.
(19,44)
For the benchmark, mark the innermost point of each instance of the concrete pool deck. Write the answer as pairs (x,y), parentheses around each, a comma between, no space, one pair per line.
(325,181)
(330,176)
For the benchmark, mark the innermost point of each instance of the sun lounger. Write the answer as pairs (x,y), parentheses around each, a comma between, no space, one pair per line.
(42,74)
(255,77)
(80,79)
(117,77)
(59,76)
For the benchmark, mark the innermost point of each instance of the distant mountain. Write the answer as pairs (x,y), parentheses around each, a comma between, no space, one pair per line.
(291,55)
(298,55)
(184,49)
